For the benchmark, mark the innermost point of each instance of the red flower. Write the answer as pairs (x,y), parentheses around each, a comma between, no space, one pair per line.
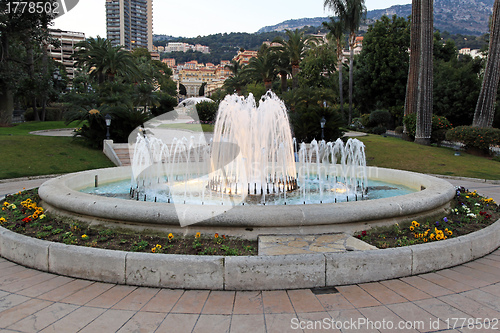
(363,233)
(26,220)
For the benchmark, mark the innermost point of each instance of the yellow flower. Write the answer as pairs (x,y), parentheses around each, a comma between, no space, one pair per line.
(432,236)
(170,236)
(84,236)
(412,228)
(216,235)
(41,217)
(6,204)
(450,232)
(153,249)
(414,223)
(198,235)
(2,219)
(425,240)
(94,111)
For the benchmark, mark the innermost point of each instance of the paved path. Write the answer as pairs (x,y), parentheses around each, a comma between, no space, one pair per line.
(34,301)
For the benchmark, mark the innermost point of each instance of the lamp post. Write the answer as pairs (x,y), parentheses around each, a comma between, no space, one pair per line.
(107,119)
(323,122)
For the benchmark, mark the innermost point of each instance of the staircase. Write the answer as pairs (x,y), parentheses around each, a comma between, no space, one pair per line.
(118,153)
(122,153)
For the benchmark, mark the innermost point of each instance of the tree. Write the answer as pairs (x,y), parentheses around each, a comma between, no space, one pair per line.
(144,95)
(336,31)
(294,48)
(235,82)
(234,66)
(317,69)
(456,88)
(425,75)
(412,83)
(381,73)
(105,62)
(19,32)
(351,12)
(201,92)
(262,69)
(485,107)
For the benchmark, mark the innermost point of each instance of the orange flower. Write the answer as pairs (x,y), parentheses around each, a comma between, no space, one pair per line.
(216,235)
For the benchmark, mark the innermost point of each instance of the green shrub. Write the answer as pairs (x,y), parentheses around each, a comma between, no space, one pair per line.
(399,130)
(166,104)
(93,131)
(52,113)
(380,118)
(475,138)
(379,130)
(365,120)
(207,111)
(439,127)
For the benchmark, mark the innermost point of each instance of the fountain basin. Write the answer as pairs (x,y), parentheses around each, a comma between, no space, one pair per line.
(61,196)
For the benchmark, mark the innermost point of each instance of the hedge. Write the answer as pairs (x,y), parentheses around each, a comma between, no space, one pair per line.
(475,137)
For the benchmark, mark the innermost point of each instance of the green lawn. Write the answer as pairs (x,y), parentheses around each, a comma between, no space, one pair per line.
(399,154)
(190,127)
(23,154)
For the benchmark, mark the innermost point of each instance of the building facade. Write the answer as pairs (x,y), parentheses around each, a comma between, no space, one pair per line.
(64,53)
(130,23)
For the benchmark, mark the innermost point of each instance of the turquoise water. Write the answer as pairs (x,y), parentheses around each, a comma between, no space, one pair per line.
(375,190)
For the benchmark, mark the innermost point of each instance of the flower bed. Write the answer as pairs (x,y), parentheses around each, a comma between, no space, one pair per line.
(471,212)
(21,213)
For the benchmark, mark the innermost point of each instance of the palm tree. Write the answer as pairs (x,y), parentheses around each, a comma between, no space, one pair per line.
(425,77)
(284,69)
(485,107)
(145,95)
(234,66)
(235,82)
(294,48)
(337,28)
(412,83)
(351,12)
(262,68)
(105,62)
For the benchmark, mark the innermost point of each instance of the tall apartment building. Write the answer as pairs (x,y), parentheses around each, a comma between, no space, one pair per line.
(130,23)
(64,52)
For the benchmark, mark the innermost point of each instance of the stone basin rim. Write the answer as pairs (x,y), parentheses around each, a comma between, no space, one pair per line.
(61,194)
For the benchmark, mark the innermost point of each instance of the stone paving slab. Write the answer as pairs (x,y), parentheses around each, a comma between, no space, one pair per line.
(307,244)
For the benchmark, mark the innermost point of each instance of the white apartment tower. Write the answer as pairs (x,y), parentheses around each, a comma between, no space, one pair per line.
(130,23)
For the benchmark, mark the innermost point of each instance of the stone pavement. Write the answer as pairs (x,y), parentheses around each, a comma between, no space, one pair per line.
(304,244)
(450,300)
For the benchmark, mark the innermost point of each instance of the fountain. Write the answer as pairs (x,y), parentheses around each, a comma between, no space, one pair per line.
(250,178)
(251,159)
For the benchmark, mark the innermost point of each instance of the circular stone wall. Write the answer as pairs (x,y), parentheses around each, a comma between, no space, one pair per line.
(61,196)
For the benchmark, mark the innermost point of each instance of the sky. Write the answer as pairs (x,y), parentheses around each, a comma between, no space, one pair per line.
(201,17)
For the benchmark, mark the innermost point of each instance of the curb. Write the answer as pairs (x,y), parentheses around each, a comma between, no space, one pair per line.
(245,272)
(21,179)
(476,180)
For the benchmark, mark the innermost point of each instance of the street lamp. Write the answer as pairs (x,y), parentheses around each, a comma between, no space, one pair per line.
(107,119)
(323,122)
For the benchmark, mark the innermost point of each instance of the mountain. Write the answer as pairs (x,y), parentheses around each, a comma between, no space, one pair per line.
(467,17)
